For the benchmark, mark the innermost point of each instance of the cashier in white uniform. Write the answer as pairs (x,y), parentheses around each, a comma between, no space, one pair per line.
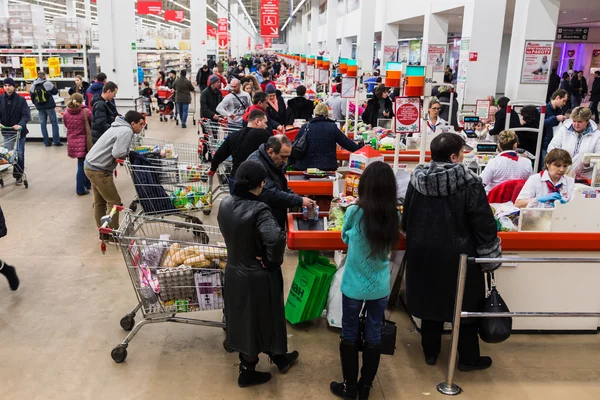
(507,166)
(433,121)
(578,135)
(542,189)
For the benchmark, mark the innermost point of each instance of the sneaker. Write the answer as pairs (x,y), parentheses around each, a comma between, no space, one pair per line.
(84,193)
(482,363)
(183,126)
(47,144)
(19,181)
(58,144)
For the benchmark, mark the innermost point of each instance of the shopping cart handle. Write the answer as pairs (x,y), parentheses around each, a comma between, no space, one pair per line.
(120,161)
(107,219)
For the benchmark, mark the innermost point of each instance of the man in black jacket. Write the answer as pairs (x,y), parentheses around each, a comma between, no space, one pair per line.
(274,155)
(210,99)
(104,111)
(241,144)
(299,107)
(500,118)
(14,112)
(595,95)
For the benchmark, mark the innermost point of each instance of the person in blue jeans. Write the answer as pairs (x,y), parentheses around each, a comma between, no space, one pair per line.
(42,92)
(370,230)
(14,113)
(183,96)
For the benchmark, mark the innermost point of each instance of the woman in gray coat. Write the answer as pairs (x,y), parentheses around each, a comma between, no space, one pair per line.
(183,96)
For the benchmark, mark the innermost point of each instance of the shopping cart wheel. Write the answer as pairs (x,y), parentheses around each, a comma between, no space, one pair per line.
(206,212)
(176,122)
(225,346)
(1,182)
(127,322)
(26,184)
(119,354)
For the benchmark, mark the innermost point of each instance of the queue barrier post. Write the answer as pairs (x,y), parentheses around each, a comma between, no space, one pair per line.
(449,387)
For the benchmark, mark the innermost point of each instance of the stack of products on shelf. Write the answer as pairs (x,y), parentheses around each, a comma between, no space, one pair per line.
(310,287)
(27,25)
(70,31)
(150,63)
(4,33)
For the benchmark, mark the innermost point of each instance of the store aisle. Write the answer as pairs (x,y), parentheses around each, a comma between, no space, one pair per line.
(57,330)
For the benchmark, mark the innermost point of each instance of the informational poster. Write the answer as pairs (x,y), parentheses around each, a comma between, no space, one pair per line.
(348,88)
(407,114)
(482,109)
(268,43)
(269,18)
(29,68)
(149,7)
(463,59)
(595,64)
(536,61)
(390,53)
(436,56)
(15,61)
(414,56)
(54,67)
(323,76)
(174,15)
(223,33)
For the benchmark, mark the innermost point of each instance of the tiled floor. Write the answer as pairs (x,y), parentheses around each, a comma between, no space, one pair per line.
(57,330)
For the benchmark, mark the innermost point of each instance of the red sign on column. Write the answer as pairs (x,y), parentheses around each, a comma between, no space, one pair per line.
(473,55)
(249,43)
(211,31)
(268,43)
(223,33)
(149,7)
(174,15)
(269,18)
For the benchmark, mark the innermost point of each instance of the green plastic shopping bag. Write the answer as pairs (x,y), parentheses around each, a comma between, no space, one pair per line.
(297,303)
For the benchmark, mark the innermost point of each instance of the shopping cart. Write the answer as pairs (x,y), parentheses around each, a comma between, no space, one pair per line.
(9,155)
(213,134)
(175,268)
(166,106)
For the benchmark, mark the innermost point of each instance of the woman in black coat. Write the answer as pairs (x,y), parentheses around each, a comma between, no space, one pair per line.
(254,308)
(446,214)
(379,107)
(276,109)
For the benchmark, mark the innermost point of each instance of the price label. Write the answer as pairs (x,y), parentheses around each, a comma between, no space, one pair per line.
(54,67)
(29,68)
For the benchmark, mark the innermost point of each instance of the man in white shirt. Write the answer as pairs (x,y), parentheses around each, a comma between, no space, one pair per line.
(235,104)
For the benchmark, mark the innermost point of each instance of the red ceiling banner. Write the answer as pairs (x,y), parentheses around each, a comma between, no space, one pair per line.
(149,7)
(269,18)
(223,33)
(174,15)
(211,31)
(268,42)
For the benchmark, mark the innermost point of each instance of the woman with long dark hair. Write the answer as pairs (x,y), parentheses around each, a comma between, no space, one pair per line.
(254,307)
(370,229)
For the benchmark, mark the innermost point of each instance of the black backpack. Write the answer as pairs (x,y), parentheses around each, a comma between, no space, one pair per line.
(40,95)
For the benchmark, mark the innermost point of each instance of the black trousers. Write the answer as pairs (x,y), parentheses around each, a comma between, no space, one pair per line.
(594,107)
(468,340)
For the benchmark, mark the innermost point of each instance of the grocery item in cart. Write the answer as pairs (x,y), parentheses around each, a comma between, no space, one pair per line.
(176,283)
(209,289)
(193,256)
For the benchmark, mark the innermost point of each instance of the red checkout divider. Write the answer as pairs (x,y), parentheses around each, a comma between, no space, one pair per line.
(292,133)
(320,190)
(511,241)
(404,156)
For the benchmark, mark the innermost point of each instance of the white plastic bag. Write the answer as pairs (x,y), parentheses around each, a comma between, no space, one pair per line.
(334,300)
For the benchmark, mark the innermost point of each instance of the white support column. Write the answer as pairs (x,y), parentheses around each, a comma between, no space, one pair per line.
(71,8)
(366,36)
(346,47)
(299,39)
(389,37)
(305,43)
(117,44)
(234,28)
(314,27)
(198,36)
(483,24)
(3,8)
(535,20)
(435,32)
(87,7)
(332,47)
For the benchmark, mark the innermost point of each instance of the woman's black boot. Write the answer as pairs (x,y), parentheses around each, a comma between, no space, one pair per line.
(371,357)
(11,275)
(284,361)
(349,358)
(249,376)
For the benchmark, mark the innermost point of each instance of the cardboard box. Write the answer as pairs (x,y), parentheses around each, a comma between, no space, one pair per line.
(27,25)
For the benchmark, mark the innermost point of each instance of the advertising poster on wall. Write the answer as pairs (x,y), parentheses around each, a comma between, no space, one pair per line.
(436,56)
(595,63)
(414,56)
(390,53)
(536,61)
(463,59)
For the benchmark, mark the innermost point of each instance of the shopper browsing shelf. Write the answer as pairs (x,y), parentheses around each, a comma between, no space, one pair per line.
(254,308)
(104,111)
(101,162)
(42,95)
(507,165)
(371,229)
(446,214)
(77,119)
(14,113)
(80,87)
(543,189)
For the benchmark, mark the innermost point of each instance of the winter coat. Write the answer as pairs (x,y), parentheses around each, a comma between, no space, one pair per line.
(566,85)
(595,93)
(254,307)
(500,121)
(14,111)
(299,108)
(550,121)
(275,192)
(82,90)
(239,145)
(444,97)
(202,78)
(446,214)
(183,90)
(104,114)
(577,144)
(50,90)
(209,100)
(323,135)
(279,115)
(553,85)
(73,118)
(271,124)
(93,92)
(369,116)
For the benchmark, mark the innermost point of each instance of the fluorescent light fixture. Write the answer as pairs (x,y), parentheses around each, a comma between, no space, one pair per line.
(51,3)
(212,9)
(212,22)
(179,5)
(247,15)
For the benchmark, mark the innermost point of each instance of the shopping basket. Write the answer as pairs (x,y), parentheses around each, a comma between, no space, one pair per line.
(9,155)
(174,267)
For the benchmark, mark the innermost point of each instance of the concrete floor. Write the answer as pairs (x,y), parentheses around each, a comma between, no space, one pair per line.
(57,330)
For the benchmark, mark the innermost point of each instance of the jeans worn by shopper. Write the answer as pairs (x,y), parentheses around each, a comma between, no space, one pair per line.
(82,182)
(182,109)
(350,319)
(105,195)
(9,143)
(44,114)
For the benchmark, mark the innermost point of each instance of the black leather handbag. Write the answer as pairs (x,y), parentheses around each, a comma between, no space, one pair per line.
(300,145)
(388,334)
(494,329)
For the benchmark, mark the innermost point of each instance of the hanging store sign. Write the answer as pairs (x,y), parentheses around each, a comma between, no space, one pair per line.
(436,55)
(149,7)
(174,15)
(258,47)
(211,31)
(268,43)
(269,18)
(29,68)
(54,67)
(536,61)
(595,63)
(569,33)
(407,114)
(348,88)
(223,33)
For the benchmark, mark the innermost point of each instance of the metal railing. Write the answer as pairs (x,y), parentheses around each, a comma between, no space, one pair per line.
(448,387)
